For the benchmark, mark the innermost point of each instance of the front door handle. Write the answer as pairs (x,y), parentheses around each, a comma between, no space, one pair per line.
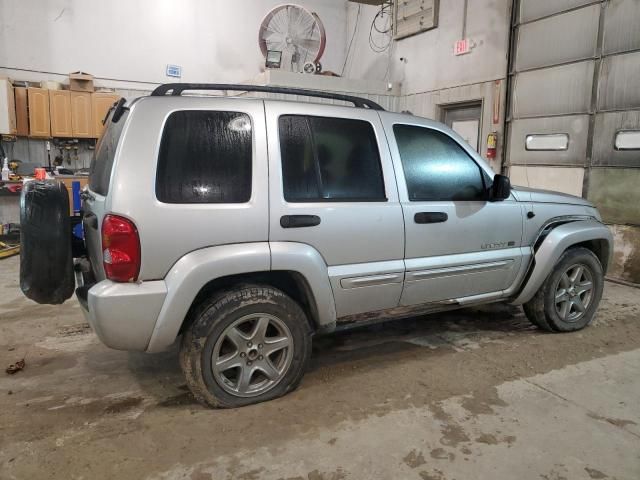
(299,221)
(430,217)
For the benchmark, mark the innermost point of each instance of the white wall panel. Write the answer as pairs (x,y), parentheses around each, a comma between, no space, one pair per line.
(553,91)
(558,39)
(576,126)
(622,26)
(619,78)
(213,40)
(559,179)
(533,9)
(606,127)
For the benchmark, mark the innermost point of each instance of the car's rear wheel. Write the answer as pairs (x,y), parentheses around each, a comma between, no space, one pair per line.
(569,297)
(245,346)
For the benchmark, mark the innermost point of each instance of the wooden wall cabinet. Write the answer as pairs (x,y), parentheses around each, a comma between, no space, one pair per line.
(60,108)
(102,102)
(81,115)
(22,112)
(7,108)
(42,113)
(39,120)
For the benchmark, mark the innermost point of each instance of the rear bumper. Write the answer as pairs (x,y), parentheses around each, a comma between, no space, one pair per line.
(123,315)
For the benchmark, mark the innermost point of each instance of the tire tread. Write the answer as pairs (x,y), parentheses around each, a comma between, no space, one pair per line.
(537,309)
(212,310)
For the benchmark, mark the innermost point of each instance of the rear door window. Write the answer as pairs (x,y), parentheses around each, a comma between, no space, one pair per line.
(205,157)
(329,159)
(102,161)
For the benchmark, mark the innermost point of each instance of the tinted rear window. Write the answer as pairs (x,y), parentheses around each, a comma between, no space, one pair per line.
(329,159)
(102,161)
(205,157)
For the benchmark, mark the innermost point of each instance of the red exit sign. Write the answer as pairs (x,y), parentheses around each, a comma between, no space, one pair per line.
(462,46)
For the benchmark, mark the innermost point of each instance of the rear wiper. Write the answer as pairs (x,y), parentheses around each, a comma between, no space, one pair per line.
(118,109)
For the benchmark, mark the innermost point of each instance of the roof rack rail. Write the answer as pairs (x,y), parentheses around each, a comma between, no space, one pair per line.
(176,89)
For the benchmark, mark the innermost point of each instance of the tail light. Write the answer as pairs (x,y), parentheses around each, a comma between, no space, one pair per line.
(120,249)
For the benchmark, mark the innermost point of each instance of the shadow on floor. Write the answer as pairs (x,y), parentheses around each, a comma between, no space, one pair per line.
(159,374)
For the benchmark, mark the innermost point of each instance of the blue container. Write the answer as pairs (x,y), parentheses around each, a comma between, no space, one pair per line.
(75,189)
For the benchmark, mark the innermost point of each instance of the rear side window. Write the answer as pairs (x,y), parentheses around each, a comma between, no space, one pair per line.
(102,161)
(205,157)
(436,167)
(329,159)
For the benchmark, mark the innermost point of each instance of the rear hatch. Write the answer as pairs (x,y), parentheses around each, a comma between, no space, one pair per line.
(96,194)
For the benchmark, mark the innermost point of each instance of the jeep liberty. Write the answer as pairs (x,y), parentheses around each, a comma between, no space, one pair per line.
(243,226)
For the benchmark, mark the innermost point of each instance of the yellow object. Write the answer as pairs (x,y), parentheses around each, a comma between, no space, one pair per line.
(39,119)
(22,111)
(81,115)
(492,140)
(101,103)
(7,250)
(60,108)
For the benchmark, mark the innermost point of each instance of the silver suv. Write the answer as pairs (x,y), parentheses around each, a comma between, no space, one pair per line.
(246,225)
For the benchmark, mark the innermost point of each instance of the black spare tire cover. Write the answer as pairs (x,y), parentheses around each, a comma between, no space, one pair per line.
(46,263)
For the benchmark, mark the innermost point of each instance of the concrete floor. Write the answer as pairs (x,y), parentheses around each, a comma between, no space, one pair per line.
(474,394)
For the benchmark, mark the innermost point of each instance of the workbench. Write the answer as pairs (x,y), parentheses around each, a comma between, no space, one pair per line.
(10,202)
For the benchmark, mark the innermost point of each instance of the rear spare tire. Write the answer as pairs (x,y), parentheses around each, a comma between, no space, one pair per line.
(46,262)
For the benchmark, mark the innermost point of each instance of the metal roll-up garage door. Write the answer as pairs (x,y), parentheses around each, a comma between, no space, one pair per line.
(574,101)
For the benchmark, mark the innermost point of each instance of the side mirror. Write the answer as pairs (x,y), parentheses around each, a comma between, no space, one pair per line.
(501,188)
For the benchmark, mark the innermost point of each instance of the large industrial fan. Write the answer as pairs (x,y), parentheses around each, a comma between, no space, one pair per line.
(292,34)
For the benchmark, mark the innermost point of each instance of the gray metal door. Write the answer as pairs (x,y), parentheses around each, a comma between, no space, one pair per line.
(574,103)
(457,244)
(332,187)
(465,121)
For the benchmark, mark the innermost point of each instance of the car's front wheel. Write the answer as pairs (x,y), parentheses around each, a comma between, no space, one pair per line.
(245,346)
(569,297)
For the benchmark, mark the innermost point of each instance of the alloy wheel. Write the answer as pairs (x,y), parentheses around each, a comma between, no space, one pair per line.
(573,292)
(252,355)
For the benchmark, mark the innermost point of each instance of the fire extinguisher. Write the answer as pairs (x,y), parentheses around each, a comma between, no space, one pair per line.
(492,144)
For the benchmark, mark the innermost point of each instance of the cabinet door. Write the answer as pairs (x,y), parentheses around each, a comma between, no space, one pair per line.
(60,105)
(12,109)
(39,120)
(81,116)
(102,102)
(7,108)
(22,112)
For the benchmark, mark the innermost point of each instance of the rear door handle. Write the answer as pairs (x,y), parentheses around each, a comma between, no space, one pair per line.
(299,221)
(430,217)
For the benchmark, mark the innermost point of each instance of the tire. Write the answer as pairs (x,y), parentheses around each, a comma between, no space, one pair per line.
(568,299)
(228,325)
(46,262)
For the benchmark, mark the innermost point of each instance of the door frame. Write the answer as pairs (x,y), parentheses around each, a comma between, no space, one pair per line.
(437,269)
(445,108)
(361,279)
